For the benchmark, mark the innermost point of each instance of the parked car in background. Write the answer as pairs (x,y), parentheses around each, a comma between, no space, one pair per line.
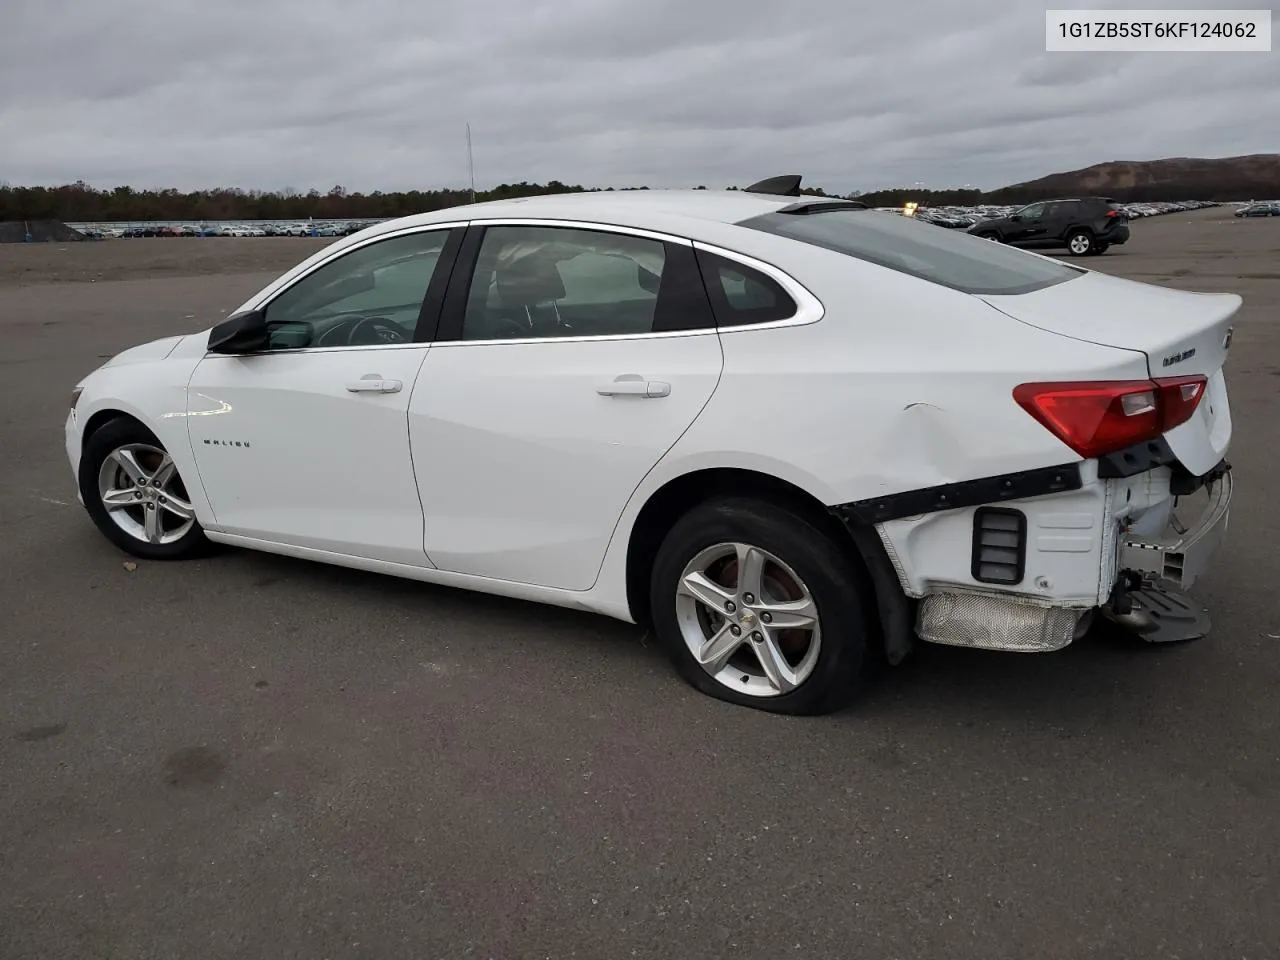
(1259,210)
(1084,226)
(704,411)
(944,218)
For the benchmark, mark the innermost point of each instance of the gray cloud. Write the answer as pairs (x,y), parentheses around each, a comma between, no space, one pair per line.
(375,95)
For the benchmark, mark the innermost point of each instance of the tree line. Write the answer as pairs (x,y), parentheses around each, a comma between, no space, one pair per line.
(79,202)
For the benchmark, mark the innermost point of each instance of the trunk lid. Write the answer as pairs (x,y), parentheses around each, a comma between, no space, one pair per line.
(1180,333)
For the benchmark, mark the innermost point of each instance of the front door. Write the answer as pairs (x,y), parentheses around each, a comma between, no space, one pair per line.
(570,361)
(1054,223)
(307,443)
(1029,227)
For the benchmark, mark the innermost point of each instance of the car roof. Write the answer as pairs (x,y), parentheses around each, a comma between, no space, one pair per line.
(1071,200)
(713,217)
(685,212)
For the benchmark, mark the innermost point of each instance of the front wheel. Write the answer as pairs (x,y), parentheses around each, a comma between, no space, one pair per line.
(134,495)
(757,606)
(1081,243)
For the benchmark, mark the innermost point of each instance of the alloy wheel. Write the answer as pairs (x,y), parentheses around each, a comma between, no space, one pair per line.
(139,486)
(748,619)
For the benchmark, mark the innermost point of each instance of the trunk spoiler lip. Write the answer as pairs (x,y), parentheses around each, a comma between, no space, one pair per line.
(1228,305)
(1089,276)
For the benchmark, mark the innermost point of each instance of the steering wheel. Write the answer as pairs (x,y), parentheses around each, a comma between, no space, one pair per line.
(380,330)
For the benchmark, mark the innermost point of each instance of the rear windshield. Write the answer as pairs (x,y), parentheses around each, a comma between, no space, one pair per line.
(949,257)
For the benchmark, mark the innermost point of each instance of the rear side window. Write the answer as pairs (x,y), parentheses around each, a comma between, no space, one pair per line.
(740,295)
(949,258)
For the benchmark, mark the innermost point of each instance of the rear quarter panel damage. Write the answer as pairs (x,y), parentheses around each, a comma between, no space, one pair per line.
(902,385)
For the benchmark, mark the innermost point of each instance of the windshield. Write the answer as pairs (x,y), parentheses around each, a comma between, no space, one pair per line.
(940,255)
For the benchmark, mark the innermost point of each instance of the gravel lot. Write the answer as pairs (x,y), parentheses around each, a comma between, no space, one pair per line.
(149,258)
(259,757)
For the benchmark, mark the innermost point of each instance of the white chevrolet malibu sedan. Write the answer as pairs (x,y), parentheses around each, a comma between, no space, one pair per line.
(791,435)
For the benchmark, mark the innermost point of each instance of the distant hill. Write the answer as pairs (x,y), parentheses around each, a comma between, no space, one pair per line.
(1179,178)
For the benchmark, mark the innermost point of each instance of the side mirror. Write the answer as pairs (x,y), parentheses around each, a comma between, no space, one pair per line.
(1015,217)
(241,333)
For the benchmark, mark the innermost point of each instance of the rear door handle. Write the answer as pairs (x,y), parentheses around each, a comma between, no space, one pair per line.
(634,385)
(372,383)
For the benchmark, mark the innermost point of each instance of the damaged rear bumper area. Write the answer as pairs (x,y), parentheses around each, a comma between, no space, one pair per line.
(1029,575)
(1148,599)
(1183,554)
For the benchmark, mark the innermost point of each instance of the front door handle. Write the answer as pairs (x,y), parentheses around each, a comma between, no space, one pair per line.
(634,385)
(373,383)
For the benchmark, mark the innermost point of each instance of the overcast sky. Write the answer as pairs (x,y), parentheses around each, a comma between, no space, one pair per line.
(374,94)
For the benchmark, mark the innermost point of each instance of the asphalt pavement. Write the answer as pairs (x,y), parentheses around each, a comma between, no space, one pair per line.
(251,756)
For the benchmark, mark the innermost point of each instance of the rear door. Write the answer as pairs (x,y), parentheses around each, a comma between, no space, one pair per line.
(569,360)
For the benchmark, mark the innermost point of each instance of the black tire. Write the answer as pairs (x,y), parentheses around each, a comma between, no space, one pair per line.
(1081,243)
(839,590)
(988,235)
(101,444)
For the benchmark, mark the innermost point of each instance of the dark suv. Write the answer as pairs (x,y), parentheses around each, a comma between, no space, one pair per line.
(1084,226)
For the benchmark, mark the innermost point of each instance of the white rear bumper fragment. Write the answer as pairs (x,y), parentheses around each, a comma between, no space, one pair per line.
(1182,554)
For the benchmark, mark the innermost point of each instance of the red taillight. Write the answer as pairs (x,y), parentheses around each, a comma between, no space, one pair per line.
(1095,418)
(1112,213)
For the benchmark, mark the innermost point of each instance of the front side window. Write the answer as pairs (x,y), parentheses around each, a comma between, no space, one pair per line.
(562,282)
(368,297)
(946,257)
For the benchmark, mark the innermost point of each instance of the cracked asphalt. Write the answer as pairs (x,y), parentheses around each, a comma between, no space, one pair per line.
(251,756)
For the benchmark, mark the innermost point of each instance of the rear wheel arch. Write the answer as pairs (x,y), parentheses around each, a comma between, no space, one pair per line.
(667,504)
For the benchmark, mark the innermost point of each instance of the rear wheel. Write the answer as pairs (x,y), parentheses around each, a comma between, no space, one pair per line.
(988,235)
(757,606)
(133,493)
(1081,243)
